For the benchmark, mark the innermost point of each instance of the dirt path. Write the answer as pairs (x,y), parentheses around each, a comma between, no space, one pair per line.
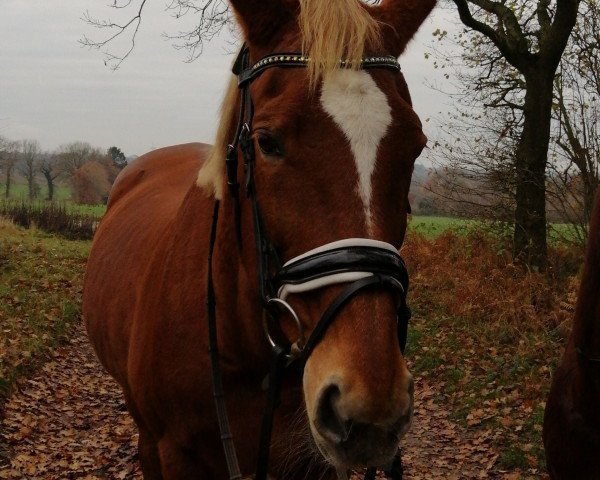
(69,422)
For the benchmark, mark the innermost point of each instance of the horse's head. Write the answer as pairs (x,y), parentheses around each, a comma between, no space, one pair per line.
(334,150)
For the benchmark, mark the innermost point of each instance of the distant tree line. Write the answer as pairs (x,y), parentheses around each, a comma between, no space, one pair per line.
(88,171)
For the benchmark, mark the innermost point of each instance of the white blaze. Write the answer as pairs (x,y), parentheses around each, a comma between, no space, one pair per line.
(361,110)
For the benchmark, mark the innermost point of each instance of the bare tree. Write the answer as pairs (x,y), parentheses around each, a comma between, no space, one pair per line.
(481,137)
(528,39)
(74,155)
(28,166)
(49,166)
(514,49)
(8,160)
(473,156)
(209,19)
(576,154)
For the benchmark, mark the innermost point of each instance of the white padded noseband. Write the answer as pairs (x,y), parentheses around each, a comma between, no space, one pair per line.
(336,278)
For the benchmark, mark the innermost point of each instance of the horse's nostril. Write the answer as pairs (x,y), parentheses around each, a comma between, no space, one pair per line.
(328,421)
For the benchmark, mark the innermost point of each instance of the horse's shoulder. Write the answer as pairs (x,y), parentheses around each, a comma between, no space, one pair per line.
(173,166)
(143,211)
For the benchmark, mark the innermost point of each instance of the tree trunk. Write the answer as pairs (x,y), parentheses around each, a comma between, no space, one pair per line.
(31,186)
(529,241)
(590,185)
(50,182)
(8,182)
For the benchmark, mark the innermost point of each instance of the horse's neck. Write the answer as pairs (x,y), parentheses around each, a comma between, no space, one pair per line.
(239,311)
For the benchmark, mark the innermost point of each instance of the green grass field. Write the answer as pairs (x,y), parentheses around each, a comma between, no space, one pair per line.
(93,210)
(559,233)
(19,191)
(432,227)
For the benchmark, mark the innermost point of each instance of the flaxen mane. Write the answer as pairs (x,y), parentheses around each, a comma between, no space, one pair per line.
(331,30)
(334,30)
(210,177)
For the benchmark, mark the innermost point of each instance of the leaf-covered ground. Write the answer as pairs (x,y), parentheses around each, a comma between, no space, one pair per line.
(69,422)
(487,335)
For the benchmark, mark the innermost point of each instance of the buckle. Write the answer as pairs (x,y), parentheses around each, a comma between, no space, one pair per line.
(274,305)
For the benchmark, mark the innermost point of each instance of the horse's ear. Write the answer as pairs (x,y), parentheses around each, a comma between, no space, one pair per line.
(400,20)
(262,19)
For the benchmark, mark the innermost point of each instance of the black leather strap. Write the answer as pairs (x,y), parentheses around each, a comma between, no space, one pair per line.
(278,364)
(331,312)
(295,60)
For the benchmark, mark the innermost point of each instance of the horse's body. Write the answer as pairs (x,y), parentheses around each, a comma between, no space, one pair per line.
(572,416)
(154,257)
(332,164)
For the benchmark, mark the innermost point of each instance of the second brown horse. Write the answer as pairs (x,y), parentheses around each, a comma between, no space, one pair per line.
(572,416)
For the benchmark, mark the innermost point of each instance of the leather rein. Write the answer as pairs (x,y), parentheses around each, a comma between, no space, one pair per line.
(361,263)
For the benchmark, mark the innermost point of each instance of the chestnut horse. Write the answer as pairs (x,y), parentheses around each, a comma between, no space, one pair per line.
(324,141)
(572,416)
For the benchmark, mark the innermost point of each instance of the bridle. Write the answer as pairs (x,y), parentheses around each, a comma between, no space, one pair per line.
(361,263)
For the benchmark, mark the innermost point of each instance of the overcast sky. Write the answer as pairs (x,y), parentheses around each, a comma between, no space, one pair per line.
(55,91)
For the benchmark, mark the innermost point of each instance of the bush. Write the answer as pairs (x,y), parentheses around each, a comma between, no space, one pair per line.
(51,218)
(91,182)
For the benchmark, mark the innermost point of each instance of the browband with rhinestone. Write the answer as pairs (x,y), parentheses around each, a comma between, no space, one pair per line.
(299,60)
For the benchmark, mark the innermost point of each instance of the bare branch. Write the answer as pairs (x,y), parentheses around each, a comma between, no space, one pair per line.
(133,25)
(555,42)
(210,16)
(510,43)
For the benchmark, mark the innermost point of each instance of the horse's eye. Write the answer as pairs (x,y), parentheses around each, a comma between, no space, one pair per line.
(269,145)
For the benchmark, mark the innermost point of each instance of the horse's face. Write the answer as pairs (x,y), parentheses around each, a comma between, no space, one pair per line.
(334,162)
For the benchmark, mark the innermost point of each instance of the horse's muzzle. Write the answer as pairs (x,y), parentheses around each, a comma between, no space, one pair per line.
(349,442)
